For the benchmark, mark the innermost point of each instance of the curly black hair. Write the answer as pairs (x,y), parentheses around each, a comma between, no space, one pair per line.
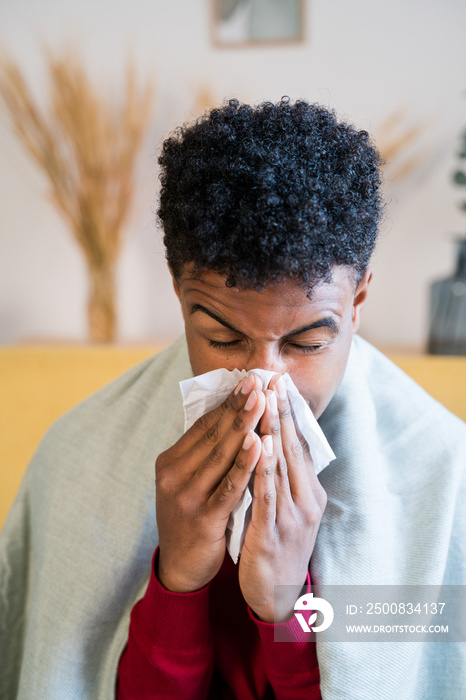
(263,193)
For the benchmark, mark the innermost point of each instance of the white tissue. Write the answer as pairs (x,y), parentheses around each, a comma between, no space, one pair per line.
(205,392)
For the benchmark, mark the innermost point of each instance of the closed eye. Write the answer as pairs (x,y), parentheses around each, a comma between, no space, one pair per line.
(218,344)
(306,349)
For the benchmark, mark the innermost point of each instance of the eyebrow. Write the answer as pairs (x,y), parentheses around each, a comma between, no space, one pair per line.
(199,307)
(327,322)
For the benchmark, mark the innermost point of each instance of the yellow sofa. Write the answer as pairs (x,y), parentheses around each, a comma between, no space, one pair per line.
(40,383)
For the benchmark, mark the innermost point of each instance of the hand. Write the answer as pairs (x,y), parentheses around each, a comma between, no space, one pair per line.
(198,483)
(288,504)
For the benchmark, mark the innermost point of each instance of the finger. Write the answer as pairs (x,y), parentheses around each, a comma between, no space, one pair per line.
(210,427)
(270,425)
(296,452)
(229,492)
(242,404)
(264,502)
(223,454)
(270,421)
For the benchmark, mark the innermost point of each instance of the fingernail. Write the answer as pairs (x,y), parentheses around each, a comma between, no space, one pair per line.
(280,386)
(268,445)
(248,385)
(248,440)
(239,386)
(272,401)
(251,402)
(257,380)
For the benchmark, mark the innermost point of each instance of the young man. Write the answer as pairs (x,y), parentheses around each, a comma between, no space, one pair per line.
(270,216)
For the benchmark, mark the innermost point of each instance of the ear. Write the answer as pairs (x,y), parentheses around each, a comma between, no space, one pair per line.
(360,297)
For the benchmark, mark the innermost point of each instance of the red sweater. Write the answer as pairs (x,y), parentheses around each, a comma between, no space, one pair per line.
(209,645)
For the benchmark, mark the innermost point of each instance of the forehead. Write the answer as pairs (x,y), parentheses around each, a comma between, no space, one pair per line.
(280,306)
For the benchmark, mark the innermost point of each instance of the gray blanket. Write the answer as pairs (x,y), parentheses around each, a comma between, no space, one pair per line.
(76,550)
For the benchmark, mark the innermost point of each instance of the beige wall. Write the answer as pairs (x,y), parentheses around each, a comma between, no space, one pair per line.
(363,58)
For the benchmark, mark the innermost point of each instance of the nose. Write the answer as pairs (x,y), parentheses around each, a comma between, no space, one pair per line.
(266,356)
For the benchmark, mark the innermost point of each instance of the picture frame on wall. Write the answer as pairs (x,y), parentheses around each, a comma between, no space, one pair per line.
(240,23)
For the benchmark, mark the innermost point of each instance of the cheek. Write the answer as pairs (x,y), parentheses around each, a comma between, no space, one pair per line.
(312,382)
(318,377)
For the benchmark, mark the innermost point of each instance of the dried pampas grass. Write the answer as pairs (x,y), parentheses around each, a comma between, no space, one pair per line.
(396,142)
(87,148)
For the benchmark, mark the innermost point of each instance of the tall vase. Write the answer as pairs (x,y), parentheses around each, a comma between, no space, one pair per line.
(447,334)
(101,303)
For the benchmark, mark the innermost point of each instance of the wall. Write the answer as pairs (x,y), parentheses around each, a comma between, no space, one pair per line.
(364,58)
